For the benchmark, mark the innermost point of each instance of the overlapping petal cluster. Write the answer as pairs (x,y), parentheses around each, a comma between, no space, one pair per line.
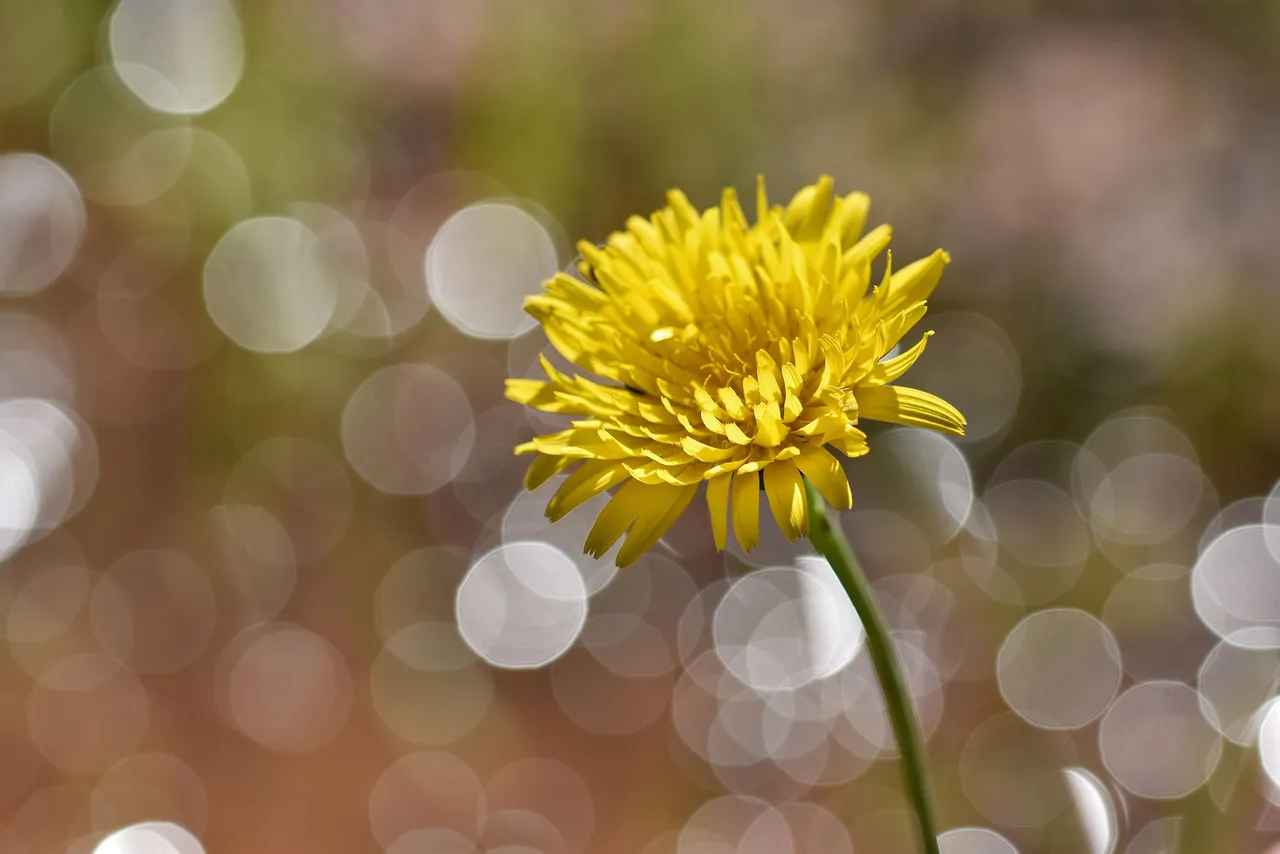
(719,351)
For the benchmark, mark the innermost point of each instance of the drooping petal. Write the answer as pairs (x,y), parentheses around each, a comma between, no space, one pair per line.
(890,369)
(661,506)
(616,517)
(746,509)
(910,406)
(543,468)
(591,479)
(785,490)
(718,504)
(827,476)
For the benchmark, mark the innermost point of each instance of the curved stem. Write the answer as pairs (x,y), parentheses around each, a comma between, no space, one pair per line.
(829,540)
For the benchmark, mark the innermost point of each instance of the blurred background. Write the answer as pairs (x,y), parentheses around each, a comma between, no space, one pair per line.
(269,583)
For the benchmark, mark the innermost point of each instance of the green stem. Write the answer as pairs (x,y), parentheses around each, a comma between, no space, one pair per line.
(829,540)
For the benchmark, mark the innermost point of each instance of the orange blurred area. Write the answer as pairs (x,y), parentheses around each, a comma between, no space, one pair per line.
(269,581)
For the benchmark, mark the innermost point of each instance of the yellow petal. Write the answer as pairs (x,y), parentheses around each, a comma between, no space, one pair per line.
(536,393)
(616,517)
(593,478)
(852,442)
(746,509)
(769,376)
(910,406)
(807,213)
(853,217)
(732,403)
(914,282)
(705,453)
(770,431)
(734,434)
(660,507)
(718,504)
(827,476)
(890,369)
(785,490)
(543,468)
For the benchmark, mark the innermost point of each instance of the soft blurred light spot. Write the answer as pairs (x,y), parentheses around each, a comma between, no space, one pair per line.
(120,152)
(988,389)
(1042,539)
(42,223)
(1235,585)
(736,825)
(855,697)
(526,519)
(49,819)
(44,590)
(921,475)
(304,485)
(618,683)
(1156,742)
(974,840)
(408,429)
(19,497)
(549,788)
(258,558)
(482,264)
(413,609)
(1237,514)
(521,605)
(1162,836)
(779,628)
(1059,669)
(1271,518)
(1235,682)
(45,604)
(1147,497)
(58,448)
(814,829)
(1095,809)
(695,703)
(33,48)
(285,687)
(345,254)
(267,286)
(195,46)
(426,790)
(1126,434)
(437,840)
(149,786)
(888,543)
(1011,774)
(214,191)
(150,837)
(427,707)
(35,361)
(1269,741)
(519,831)
(152,165)
(431,645)
(1151,614)
(86,713)
(154,611)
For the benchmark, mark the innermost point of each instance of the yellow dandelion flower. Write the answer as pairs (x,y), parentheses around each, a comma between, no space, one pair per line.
(729,353)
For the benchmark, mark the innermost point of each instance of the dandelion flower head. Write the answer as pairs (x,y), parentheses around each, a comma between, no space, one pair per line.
(719,351)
